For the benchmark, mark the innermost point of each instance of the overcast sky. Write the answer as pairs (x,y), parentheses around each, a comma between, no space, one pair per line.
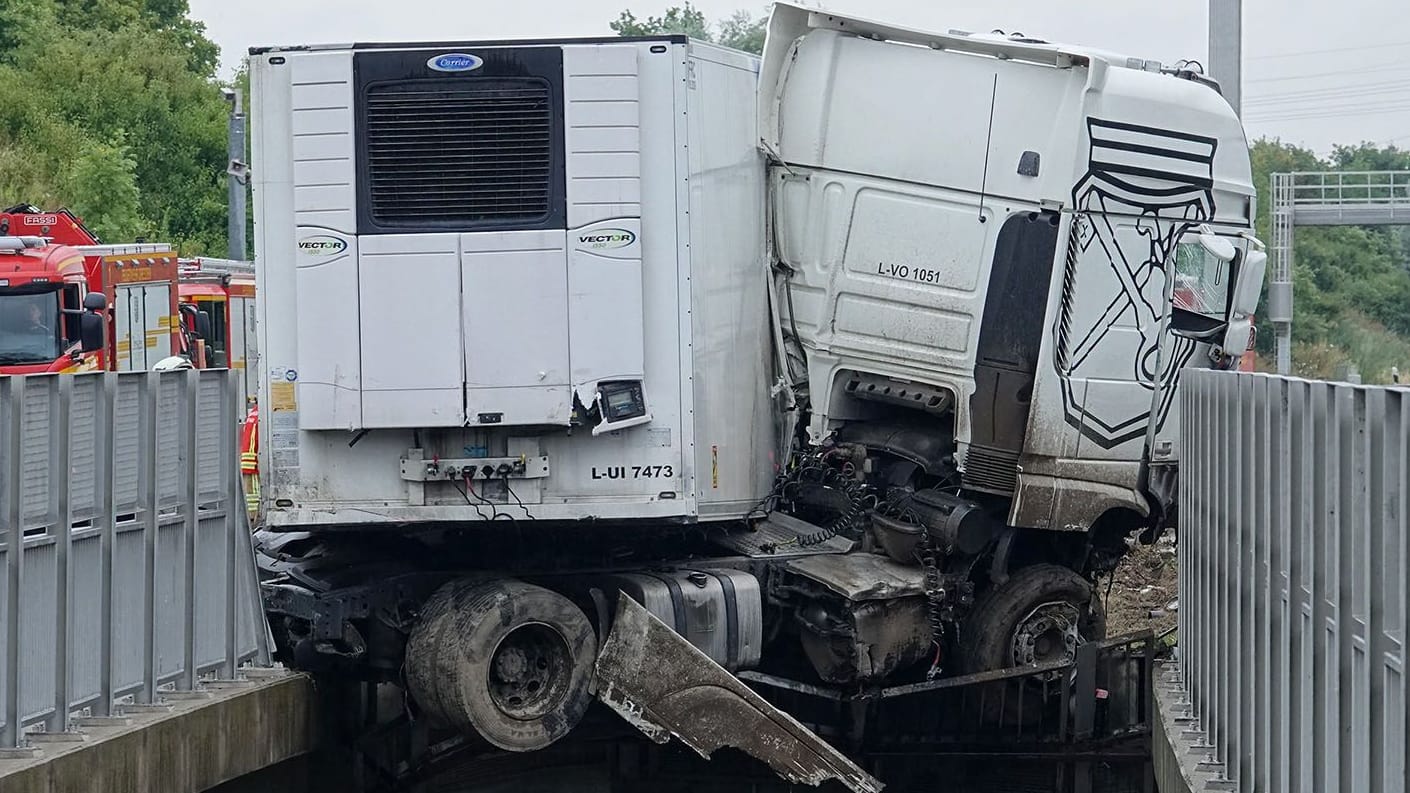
(1316,72)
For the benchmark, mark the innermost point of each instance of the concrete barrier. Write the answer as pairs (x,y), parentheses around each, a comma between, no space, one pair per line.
(188,743)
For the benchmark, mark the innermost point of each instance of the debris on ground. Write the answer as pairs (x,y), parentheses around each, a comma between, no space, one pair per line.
(1144,591)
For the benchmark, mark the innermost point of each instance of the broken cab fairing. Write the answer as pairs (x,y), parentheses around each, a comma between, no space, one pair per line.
(665,687)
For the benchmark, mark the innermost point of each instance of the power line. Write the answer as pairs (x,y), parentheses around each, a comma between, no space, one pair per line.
(1333,103)
(1369,110)
(1321,94)
(1316,75)
(1328,51)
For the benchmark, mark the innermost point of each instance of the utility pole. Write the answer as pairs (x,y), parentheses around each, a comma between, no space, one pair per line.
(1226,39)
(237,178)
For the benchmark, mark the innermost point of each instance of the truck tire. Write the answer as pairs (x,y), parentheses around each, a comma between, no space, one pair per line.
(989,640)
(504,659)
(988,637)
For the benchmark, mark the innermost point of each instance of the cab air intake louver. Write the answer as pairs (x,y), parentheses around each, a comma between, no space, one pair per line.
(476,152)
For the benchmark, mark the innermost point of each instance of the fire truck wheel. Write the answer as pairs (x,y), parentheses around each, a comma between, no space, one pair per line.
(1039,615)
(504,659)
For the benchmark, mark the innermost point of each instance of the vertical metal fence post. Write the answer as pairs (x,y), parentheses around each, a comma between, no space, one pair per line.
(61,490)
(234,500)
(191,449)
(14,565)
(105,471)
(151,394)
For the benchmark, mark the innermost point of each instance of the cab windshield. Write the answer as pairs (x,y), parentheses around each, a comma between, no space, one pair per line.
(30,326)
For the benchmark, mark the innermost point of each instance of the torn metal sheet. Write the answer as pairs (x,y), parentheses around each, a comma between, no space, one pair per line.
(663,686)
(862,576)
(778,536)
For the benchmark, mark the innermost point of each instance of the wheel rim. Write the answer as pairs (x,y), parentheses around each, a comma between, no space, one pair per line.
(530,672)
(1048,634)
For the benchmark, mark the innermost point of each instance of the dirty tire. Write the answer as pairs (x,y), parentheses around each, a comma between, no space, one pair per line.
(986,641)
(504,659)
(986,638)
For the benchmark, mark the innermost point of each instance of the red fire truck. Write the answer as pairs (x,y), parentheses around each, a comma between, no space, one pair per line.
(223,292)
(52,269)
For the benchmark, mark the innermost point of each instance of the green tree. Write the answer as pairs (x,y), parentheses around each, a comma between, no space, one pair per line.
(129,102)
(741,30)
(744,32)
(1350,284)
(684,20)
(103,179)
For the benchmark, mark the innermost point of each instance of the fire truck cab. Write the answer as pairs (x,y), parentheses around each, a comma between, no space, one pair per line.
(218,307)
(52,272)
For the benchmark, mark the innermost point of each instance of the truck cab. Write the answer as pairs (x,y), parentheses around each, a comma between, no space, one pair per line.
(1028,292)
(40,290)
(131,288)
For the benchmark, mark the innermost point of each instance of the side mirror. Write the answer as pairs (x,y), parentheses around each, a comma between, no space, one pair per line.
(1244,301)
(1217,246)
(92,329)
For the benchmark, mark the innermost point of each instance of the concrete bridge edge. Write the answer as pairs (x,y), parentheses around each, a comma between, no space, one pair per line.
(1182,757)
(194,744)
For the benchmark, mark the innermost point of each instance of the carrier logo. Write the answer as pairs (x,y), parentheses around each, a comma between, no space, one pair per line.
(455,62)
(322,245)
(607,239)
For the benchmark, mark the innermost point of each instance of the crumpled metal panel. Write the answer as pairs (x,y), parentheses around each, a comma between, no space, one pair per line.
(663,686)
(862,576)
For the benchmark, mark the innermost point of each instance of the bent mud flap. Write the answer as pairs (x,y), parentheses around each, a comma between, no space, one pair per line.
(664,686)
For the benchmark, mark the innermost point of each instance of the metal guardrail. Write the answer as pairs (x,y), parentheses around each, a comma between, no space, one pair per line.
(1293,516)
(136,573)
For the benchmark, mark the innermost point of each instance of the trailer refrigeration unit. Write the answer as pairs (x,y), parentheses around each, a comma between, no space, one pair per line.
(850,366)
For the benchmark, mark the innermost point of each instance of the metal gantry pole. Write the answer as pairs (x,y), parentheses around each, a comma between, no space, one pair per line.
(1280,288)
(235,183)
(1226,49)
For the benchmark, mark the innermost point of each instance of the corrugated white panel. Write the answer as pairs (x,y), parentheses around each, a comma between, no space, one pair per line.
(36,440)
(209,409)
(602,132)
(83,446)
(127,443)
(324,166)
(171,406)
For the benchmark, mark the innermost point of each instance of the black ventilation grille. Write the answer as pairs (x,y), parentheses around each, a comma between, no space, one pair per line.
(991,470)
(474,153)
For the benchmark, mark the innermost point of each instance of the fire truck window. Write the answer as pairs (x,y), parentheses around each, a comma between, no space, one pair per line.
(29,326)
(215,310)
(73,301)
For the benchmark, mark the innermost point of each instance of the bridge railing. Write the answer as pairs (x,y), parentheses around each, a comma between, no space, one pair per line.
(1293,516)
(1349,187)
(125,561)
